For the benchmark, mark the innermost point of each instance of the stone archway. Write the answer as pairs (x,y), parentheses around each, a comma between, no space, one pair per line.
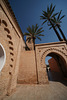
(53,49)
(60,60)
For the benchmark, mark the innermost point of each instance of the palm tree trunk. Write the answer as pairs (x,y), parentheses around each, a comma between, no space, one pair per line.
(33,43)
(61,33)
(55,31)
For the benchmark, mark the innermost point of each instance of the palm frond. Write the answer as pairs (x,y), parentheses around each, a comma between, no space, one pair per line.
(42,17)
(38,38)
(44,22)
(40,35)
(36,27)
(44,12)
(28,39)
(28,34)
(46,15)
(50,28)
(51,6)
(39,32)
(34,32)
(39,29)
(33,28)
(53,20)
(59,15)
(48,24)
(53,10)
(54,14)
(29,29)
(57,21)
(62,17)
(48,9)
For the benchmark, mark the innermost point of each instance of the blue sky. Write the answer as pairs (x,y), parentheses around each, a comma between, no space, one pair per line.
(28,12)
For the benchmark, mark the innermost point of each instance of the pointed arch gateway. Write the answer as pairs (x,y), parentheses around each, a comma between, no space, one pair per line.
(58,51)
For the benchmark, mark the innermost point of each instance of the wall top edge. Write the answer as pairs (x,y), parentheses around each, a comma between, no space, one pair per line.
(52,43)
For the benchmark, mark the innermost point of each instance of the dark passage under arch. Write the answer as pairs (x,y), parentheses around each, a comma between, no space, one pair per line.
(57,68)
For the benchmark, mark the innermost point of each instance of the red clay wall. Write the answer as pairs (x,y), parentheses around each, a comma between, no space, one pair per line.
(53,65)
(55,72)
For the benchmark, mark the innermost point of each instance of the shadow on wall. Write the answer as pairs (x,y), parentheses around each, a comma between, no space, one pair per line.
(54,72)
(55,76)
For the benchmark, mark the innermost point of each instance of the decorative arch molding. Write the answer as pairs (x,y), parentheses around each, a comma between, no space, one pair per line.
(2,57)
(51,50)
(43,50)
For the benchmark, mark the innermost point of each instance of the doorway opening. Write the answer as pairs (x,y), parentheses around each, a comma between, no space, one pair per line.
(56,67)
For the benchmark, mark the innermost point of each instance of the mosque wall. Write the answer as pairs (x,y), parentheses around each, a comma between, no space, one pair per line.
(16,64)
(11,43)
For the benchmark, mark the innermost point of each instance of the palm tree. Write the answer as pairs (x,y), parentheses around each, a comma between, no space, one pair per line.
(47,16)
(33,33)
(57,22)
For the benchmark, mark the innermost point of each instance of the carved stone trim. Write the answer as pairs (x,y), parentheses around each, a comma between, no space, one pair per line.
(54,49)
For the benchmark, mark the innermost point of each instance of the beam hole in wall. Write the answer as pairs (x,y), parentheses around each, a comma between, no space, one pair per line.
(11,65)
(11,48)
(7,30)
(11,53)
(2,57)
(10,73)
(12,59)
(4,22)
(10,42)
(9,37)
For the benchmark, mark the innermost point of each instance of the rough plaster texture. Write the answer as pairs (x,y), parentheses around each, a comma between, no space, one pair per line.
(55,73)
(53,91)
(27,69)
(31,65)
(11,39)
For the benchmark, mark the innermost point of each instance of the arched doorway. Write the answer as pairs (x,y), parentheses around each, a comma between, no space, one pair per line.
(60,58)
(56,68)
(56,50)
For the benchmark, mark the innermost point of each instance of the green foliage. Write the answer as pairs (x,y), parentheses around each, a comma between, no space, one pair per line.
(49,14)
(34,32)
(57,20)
(50,17)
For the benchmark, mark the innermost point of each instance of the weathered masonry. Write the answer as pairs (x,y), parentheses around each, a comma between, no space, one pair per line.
(18,66)
(57,50)
(11,44)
